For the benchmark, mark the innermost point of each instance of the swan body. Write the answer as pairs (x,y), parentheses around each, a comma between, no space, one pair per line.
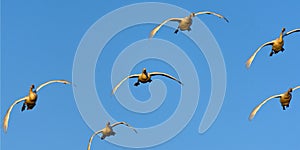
(144,77)
(184,23)
(277,45)
(285,99)
(29,100)
(108,131)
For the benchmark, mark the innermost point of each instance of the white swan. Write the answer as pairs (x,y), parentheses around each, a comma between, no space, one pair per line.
(108,131)
(285,99)
(29,100)
(277,45)
(184,23)
(144,77)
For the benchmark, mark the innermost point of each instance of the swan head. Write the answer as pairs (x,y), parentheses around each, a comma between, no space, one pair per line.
(283,29)
(144,70)
(108,123)
(192,15)
(32,87)
(290,90)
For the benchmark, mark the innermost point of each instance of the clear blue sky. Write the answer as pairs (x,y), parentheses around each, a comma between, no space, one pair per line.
(39,40)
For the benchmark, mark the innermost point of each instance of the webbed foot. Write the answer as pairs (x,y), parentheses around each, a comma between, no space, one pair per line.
(23,107)
(137,83)
(176,31)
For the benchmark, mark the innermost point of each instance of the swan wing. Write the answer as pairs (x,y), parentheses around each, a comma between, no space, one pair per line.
(124,123)
(212,13)
(153,32)
(166,75)
(255,110)
(92,137)
(118,85)
(249,61)
(290,32)
(6,117)
(50,82)
(295,88)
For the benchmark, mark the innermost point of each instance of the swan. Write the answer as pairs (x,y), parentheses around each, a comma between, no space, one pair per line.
(277,45)
(29,100)
(285,99)
(144,77)
(108,131)
(184,23)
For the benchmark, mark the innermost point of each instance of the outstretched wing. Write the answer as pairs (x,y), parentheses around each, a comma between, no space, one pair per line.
(166,75)
(126,124)
(153,32)
(118,85)
(92,137)
(52,81)
(211,13)
(295,88)
(249,61)
(6,118)
(290,32)
(254,111)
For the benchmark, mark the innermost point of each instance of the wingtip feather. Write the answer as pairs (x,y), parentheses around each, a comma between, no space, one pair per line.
(249,62)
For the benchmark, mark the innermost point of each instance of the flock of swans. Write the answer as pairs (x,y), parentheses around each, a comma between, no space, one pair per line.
(277,46)
(145,77)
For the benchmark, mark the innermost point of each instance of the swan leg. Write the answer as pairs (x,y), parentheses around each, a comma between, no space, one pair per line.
(113,133)
(176,31)
(282,49)
(283,107)
(189,29)
(150,80)
(137,83)
(272,52)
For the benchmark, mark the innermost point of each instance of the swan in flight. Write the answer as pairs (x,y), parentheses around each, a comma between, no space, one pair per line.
(108,131)
(184,23)
(277,45)
(285,99)
(144,77)
(29,100)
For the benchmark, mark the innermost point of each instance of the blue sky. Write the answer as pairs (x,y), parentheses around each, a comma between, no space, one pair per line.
(39,40)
